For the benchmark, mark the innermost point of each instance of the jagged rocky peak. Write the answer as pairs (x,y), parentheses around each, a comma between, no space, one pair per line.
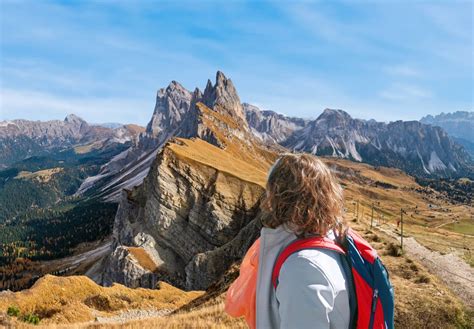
(74,119)
(335,115)
(271,126)
(196,97)
(172,103)
(174,88)
(197,210)
(223,95)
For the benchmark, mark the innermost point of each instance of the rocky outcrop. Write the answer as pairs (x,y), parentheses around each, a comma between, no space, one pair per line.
(197,210)
(223,94)
(270,126)
(172,104)
(178,113)
(185,215)
(414,147)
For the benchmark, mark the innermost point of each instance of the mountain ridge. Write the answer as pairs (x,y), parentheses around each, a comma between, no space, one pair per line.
(21,138)
(417,148)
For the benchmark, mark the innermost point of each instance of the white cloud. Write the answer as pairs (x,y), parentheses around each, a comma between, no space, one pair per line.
(404,70)
(402,92)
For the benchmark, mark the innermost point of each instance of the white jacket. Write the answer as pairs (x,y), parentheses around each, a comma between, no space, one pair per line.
(312,291)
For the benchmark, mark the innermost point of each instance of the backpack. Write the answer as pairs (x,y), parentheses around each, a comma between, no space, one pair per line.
(372,304)
(241,295)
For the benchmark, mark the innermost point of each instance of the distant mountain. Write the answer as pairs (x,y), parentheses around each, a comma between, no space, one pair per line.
(111,125)
(419,149)
(20,139)
(459,125)
(271,126)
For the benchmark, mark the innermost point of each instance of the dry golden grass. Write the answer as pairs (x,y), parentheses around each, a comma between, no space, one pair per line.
(143,258)
(241,145)
(42,176)
(78,299)
(426,211)
(212,156)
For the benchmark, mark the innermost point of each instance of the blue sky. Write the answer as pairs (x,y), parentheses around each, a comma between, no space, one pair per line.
(105,60)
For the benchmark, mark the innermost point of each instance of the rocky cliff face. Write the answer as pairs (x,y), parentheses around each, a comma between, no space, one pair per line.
(270,126)
(409,145)
(183,210)
(172,103)
(178,113)
(459,125)
(197,209)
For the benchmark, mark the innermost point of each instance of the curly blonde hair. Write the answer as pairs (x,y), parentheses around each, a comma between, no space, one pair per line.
(304,195)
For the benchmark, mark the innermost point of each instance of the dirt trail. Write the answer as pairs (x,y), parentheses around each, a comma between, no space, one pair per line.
(132,315)
(450,268)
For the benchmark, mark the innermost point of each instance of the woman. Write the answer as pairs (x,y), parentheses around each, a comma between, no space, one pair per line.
(302,199)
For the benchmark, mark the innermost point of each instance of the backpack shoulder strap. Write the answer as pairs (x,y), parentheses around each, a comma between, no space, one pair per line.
(302,244)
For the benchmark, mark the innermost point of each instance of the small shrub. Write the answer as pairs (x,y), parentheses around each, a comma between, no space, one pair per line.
(394,250)
(98,302)
(46,313)
(423,278)
(31,318)
(13,310)
(124,298)
(375,238)
(413,267)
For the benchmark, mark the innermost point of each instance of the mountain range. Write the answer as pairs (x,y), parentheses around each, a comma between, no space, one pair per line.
(21,139)
(419,149)
(189,184)
(197,210)
(459,125)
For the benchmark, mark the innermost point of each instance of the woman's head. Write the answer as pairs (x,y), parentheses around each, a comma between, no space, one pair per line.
(303,194)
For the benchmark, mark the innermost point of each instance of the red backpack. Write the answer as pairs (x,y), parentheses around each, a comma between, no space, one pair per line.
(372,302)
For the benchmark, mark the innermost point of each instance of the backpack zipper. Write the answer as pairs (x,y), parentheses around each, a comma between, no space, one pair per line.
(375,297)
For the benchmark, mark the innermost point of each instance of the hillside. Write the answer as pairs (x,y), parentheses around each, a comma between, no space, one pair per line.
(86,305)
(38,207)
